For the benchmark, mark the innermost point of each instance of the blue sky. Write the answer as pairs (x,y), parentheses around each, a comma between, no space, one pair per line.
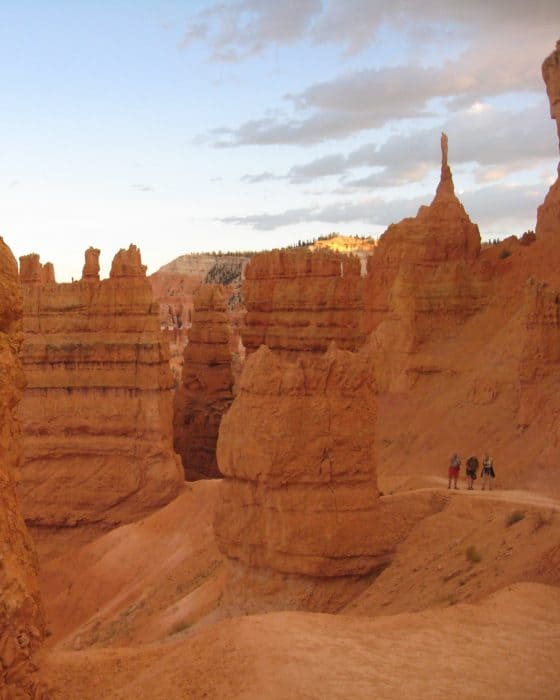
(248,124)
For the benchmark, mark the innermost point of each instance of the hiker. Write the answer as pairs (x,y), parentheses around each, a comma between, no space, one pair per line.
(487,472)
(472,468)
(454,467)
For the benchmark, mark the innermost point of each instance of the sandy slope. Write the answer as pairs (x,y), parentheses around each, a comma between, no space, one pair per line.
(133,613)
(138,582)
(506,647)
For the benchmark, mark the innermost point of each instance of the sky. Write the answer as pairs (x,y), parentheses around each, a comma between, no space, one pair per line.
(200,125)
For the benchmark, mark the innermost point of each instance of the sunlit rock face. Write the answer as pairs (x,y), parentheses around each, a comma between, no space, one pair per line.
(33,272)
(97,411)
(21,617)
(90,271)
(206,389)
(421,280)
(299,301)
(296,449)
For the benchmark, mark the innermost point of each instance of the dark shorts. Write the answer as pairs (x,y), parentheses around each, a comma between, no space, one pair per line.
(454,472)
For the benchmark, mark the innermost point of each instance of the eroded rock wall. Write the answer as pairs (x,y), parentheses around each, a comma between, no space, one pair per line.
(299,301)
(206,386)
(548,214)
(97,411)
(21,616)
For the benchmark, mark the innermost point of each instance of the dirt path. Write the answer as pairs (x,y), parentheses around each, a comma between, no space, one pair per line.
(522,497)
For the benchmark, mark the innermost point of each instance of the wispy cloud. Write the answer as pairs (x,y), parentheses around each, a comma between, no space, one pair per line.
(142,188)
(500,141)
(488,206)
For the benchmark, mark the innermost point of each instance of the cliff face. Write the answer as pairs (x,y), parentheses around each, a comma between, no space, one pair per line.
(296,448)
(548,214)
(422,280)
(298,301)
(540,360)
(21,617)
(206,387)
(97,411)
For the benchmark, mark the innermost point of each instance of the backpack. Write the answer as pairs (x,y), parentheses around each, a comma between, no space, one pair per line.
(472,464)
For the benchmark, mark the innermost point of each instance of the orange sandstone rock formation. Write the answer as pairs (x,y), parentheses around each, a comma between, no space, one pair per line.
(299,301)
(296,447)
(97,411)
(21,615)
(421,279)
(539,370)
(206,388)
(32,272)
(551,77)
(90,271)
(548,214)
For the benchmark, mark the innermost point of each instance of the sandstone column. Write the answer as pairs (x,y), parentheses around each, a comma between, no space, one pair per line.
(206,387)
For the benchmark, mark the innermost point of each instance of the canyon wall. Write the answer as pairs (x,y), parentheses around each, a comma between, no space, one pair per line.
(206,386)
(299,301)
(97,411)
(539,368)
(21,615)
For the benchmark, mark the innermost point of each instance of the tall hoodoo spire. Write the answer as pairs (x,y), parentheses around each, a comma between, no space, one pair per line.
(445,187)
(551,77)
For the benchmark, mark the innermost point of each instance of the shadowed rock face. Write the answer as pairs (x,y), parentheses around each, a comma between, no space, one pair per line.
(206,385)
(299,301)
(97,411)
(540,360)
(21,617)
(551,77)
(548,214)
(296,449)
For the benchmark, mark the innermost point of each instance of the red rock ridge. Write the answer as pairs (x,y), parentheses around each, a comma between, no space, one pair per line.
(206,385)
(21,615)
(97,411)
(299,301)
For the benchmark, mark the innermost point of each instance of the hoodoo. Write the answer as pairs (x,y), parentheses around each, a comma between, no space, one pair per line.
(21,615)
(97,411)
(296,449)
(206,385)
(420,279)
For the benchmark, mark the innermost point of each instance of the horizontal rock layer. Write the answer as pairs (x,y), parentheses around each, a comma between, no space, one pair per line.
(296,448)
(97,410)
(299,301)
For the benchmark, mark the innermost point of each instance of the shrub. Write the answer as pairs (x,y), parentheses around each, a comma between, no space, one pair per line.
(473,555)
(543,518)
(514,517)
(505,253)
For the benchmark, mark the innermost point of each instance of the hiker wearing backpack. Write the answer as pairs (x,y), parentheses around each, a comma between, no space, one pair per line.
(487,473)
(472,467)
(454,467)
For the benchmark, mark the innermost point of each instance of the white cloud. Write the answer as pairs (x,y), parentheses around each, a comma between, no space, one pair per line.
(489,206)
